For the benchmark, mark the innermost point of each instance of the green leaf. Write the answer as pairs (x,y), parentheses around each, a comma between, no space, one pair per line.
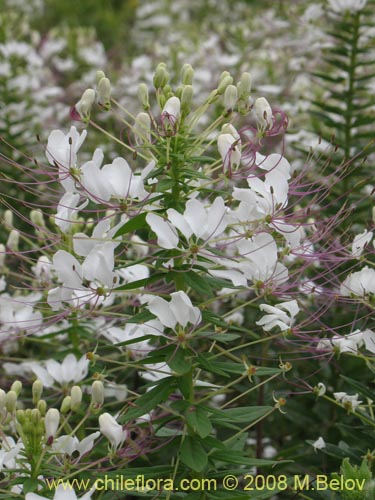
(150,399)
(180,361)
(246,414)
(132,225)
(198,283)
(193,454)
(141,283)
(236,457)
(198,420)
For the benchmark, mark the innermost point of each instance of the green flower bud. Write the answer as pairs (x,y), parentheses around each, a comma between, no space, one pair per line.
(2,255)
(37,390)
(230,98)
(11,401)
(187,74)
(99,75)
(8,218)
(76,398)
(66,405)
(36,217)
(84,105)
(35,416)
(143,96)
(186,99)
(21,416)
(16,387)
(2,399)
(223,84)
(142,127)
(244,86)
(42,407)
(104,93)
(161,76)
(13,240)
(97,394)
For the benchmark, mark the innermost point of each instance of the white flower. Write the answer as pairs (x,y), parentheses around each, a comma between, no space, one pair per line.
(114,180)
(97,269)
(62,151)
(341,6)
(42,269)
(205,223)
(281,315)
(349,402)
(112,430)
(179,310)
(67,211)
(131,332)
(52,373)
(63,492)
(360,241)
(167,236)
(348,343)
(230,151)
(360,283)
(67,444)
(319,444)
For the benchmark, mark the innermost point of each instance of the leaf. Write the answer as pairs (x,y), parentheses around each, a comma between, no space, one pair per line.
(150,399)
(236,457)
(198,420)
(133,224)
(141,283)
(180,361)
(246,414)
(198,283)
(193,454)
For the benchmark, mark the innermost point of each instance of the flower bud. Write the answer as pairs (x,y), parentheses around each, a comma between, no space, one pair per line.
(42,406)
(13,240)
(171,114)
(161,76)
(37,391)
(2,255)
(112,430)
(228,80)
(186,99)
(21,416)
(263,112)
(143,96)
(99,75)
(8,218)
(2,399)
(97,394)
(84,105)
(51,423)
(104,93)
(16,387)
(187,74)
(66,405)
(36,217)
(76,398)
(244,86)
(11,401)
(142,128)
(230,98)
